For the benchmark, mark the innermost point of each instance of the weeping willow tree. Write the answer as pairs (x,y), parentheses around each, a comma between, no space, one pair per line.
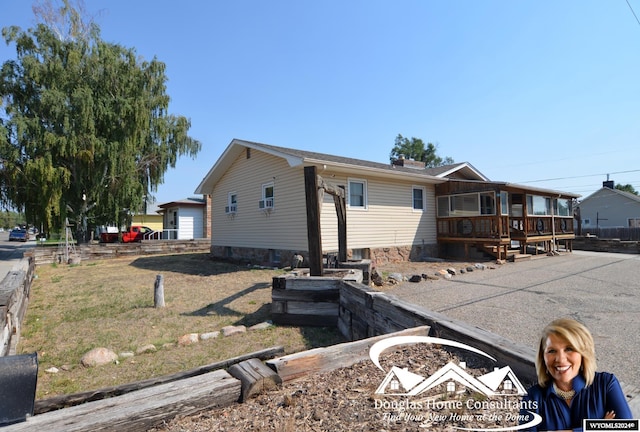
(85,131)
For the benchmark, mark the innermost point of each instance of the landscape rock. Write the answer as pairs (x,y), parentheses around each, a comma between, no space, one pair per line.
(209,335)
(415,278)
(451,271)
(98,357)
(233,330)
(442,272)
(261,326)
(188,339)
(469,269)
(146,349)
(396,277)
(376,278)
(481,266)
(126,354)
(52,370)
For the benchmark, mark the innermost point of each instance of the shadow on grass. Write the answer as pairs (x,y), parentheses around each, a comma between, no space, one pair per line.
(221,307)
(198,264)
(316,337)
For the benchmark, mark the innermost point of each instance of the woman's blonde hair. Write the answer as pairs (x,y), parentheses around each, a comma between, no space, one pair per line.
(578,337)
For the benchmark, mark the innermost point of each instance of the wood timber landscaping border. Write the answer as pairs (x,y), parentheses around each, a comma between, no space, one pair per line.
(361,312)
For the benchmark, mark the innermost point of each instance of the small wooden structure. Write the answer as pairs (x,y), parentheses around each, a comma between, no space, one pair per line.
(502,219)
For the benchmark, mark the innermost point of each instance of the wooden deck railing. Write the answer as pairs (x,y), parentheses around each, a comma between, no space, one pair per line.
(504,227)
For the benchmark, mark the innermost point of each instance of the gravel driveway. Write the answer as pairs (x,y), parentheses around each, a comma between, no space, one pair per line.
(516,300)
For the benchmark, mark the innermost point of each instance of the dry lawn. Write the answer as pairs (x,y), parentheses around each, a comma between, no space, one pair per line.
(110,304)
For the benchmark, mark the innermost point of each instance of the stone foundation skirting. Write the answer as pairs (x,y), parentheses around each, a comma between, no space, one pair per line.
(284,258)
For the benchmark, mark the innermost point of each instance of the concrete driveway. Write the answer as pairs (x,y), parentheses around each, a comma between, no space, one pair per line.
(516,300)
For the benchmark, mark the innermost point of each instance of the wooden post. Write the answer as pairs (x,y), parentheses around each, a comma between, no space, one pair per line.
(158,292)
(313,221)
(255,378)
(341,212)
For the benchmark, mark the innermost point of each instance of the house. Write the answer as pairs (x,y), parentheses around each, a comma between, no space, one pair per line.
(187,219)
(398,211)
(609,208)
(150,218)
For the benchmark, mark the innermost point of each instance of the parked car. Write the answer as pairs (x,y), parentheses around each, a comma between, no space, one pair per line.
(18,235)
(134,233)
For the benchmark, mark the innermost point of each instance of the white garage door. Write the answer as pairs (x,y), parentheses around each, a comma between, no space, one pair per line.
(190,224)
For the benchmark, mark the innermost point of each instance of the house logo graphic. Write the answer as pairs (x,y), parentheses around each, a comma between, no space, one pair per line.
(451,379)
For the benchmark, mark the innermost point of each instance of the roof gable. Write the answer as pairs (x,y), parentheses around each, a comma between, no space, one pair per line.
(605,192)
(295,157)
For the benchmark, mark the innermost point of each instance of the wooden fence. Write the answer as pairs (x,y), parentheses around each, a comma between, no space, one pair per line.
(624,234)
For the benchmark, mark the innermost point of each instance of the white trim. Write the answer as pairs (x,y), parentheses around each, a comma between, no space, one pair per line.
(424,198)
(365,203)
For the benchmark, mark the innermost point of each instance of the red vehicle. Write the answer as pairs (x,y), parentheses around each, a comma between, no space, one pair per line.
(134,233)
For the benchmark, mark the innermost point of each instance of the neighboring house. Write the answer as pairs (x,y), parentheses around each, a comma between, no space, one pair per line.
(151,218)
(186,219)
(609,208)
(259,206)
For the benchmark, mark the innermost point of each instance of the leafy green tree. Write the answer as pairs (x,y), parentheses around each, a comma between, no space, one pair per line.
(627,188)
(85,133)
(414,148)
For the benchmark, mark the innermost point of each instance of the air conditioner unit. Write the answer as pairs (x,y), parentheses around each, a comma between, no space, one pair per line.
(266,203)
(230,209)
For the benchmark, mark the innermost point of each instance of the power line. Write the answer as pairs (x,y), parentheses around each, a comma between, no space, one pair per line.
(632,11)
(582,176)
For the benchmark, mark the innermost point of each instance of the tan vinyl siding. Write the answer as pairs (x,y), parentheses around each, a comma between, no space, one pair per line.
(282,228)
(388,220)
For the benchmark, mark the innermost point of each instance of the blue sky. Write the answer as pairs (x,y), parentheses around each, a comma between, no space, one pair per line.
(539,92)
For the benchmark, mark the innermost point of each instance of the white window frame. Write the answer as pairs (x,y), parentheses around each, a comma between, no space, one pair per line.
(232,203)
(363,182)
(267,202)
(504,203)
(424,198)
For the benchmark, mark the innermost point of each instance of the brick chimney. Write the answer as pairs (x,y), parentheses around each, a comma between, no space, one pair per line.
(408,163)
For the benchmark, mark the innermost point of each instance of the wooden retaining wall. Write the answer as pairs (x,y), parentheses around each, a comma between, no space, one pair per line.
(360,312)
(615,245)
(14,299)
(95,251)
(365,313)
(301,300)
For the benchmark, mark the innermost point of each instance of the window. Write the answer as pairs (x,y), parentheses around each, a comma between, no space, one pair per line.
(487,203)
(267,197)
(463,205)
(358,194)
(443,206)
(471,204)
(634,222)
(232,203)
(507,385)
(562,207)
(504,203)
(538,205)
(451,387)
(418,198)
